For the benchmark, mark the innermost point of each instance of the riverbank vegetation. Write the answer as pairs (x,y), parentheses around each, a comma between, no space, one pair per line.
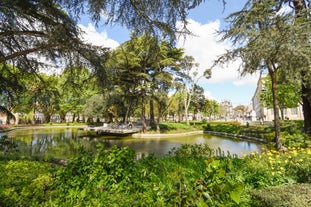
(291,131)
(192,175)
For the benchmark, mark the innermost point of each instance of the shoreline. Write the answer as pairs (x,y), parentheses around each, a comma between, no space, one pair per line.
(239,136)
(140,135)
(143,136)
(224,134)
(39,127)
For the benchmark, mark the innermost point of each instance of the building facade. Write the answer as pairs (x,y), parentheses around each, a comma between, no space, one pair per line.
(265,114)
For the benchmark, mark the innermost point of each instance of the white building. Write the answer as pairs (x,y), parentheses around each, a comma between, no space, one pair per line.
(226,109)
(266,114)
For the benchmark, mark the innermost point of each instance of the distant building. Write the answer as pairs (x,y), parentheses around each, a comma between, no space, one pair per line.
(265,114)
(226,109)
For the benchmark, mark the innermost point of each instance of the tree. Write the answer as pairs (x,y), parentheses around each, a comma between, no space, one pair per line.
(95,107)
(75,86)
(32,32)
(11,88)
(288,94)
(302,15)
(267,40)
(143,67)
(210,108)
(241,110)
(198,100)
(163,81)
(46,96)
(189,77)
(32,29)
(131,64)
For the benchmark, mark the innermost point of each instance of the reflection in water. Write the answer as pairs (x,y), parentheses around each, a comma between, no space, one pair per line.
(65,142)
(161,146)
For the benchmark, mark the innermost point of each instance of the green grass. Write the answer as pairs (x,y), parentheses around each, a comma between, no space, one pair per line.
(172,127)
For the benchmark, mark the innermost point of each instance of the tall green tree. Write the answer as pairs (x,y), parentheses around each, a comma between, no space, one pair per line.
(12,86)
(162,78)
(143,67)
(75,85)
(267,40)
(35,29)
(189,78)
(302,15)
(210,108)
(46,96)
(197,101)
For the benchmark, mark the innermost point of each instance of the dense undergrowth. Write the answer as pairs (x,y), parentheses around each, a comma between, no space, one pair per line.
(291,132)
(192,175)
(188,176)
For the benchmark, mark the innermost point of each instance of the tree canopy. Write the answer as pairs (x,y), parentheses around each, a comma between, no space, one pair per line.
(33,32)
(266,38)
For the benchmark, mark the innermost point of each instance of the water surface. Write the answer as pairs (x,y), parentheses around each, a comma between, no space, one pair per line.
(65,142)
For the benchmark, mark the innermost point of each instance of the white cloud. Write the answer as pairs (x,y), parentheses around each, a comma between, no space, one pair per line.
(205,47)
(97,38)
(208,95)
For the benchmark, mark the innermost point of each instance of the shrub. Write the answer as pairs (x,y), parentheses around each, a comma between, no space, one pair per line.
(283,196)
(24,183)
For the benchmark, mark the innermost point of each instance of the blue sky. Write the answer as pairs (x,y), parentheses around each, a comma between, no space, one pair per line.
(204,21)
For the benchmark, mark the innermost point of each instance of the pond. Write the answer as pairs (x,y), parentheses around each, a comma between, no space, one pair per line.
(63,143)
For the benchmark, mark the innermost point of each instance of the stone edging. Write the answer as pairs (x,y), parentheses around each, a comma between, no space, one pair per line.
(139,135)
(236,136)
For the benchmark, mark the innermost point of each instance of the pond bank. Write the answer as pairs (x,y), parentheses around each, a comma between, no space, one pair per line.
(225,134)
(140,135)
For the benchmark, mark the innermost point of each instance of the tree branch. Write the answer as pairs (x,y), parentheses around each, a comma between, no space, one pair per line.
(25,52)
(28,32)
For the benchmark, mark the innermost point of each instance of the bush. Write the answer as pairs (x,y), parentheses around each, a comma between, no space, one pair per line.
(24,183)
(291,132)
(192,175)
(283,196)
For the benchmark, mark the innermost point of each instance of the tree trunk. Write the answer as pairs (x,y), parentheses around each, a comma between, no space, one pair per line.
(62,117)
(73,117)
(306,106)
(186,105)
(159,118)
(282,113)
(276,108)
(152,119)
(143,112)
(300,11)
(128,109)
(179,111)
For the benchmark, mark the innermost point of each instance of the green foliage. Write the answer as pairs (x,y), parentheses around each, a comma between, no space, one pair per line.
(281,196)
(192,151)
(288,94)
(220,186)
(24,183)
(291,132)
(188,176)
(175,180)
(210,108)
(87,177)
